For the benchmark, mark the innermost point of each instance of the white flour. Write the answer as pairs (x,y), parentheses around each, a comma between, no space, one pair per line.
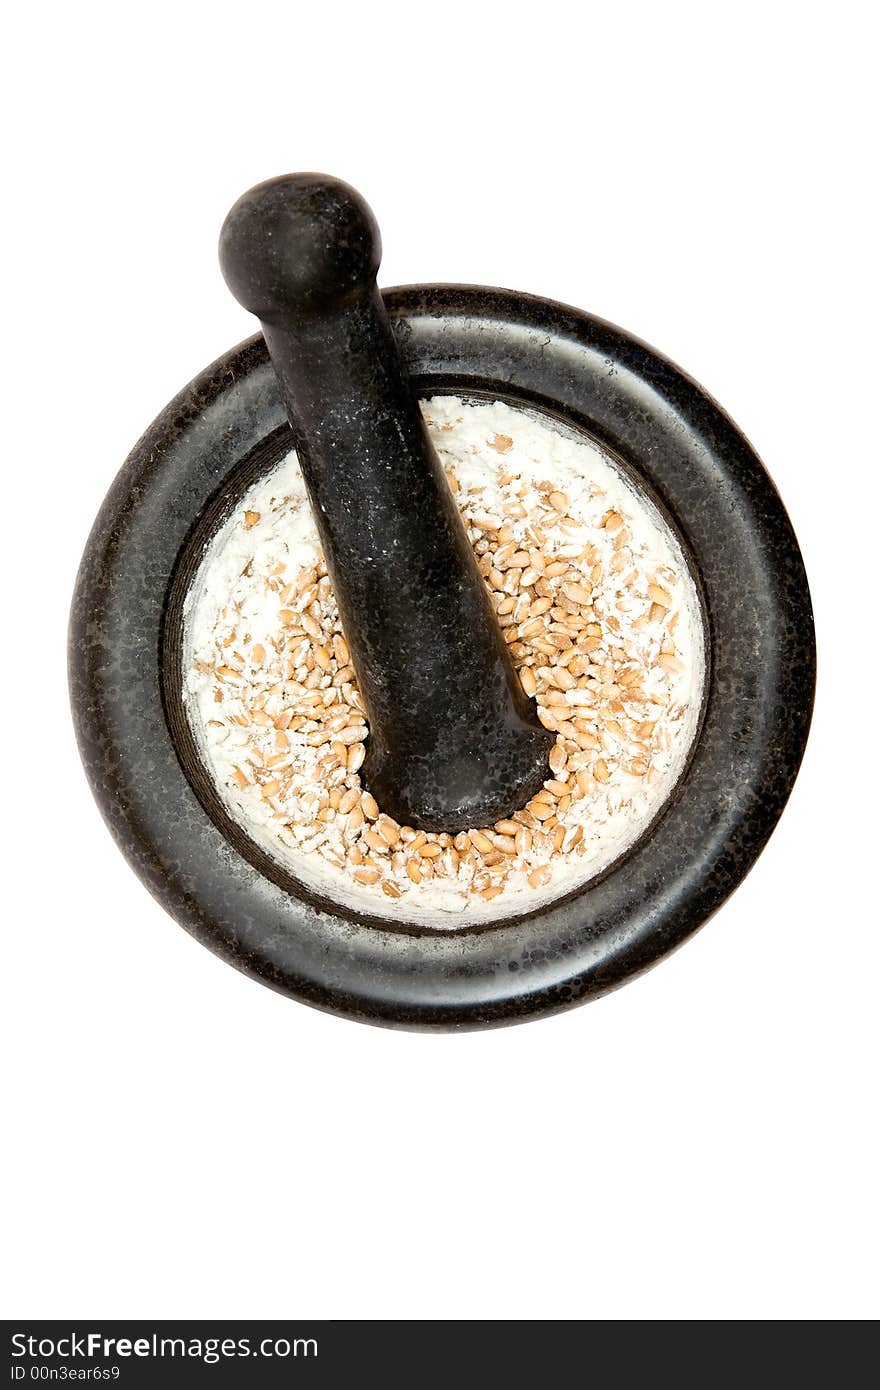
(615,660)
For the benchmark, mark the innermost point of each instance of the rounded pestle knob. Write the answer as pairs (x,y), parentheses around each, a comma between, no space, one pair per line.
(454,741)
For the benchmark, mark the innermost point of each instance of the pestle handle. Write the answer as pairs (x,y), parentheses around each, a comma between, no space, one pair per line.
(454,741)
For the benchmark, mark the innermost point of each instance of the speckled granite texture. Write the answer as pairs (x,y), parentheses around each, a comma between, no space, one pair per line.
(123,639)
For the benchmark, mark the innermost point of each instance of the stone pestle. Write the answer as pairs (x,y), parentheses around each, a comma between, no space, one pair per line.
(454,740)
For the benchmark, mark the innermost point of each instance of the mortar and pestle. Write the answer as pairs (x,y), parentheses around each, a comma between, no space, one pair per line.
(454,742)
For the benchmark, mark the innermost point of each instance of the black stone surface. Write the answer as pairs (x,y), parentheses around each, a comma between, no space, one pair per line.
(125,631)
(454,741)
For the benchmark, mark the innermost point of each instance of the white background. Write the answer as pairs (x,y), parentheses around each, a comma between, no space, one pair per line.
(183,1142)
